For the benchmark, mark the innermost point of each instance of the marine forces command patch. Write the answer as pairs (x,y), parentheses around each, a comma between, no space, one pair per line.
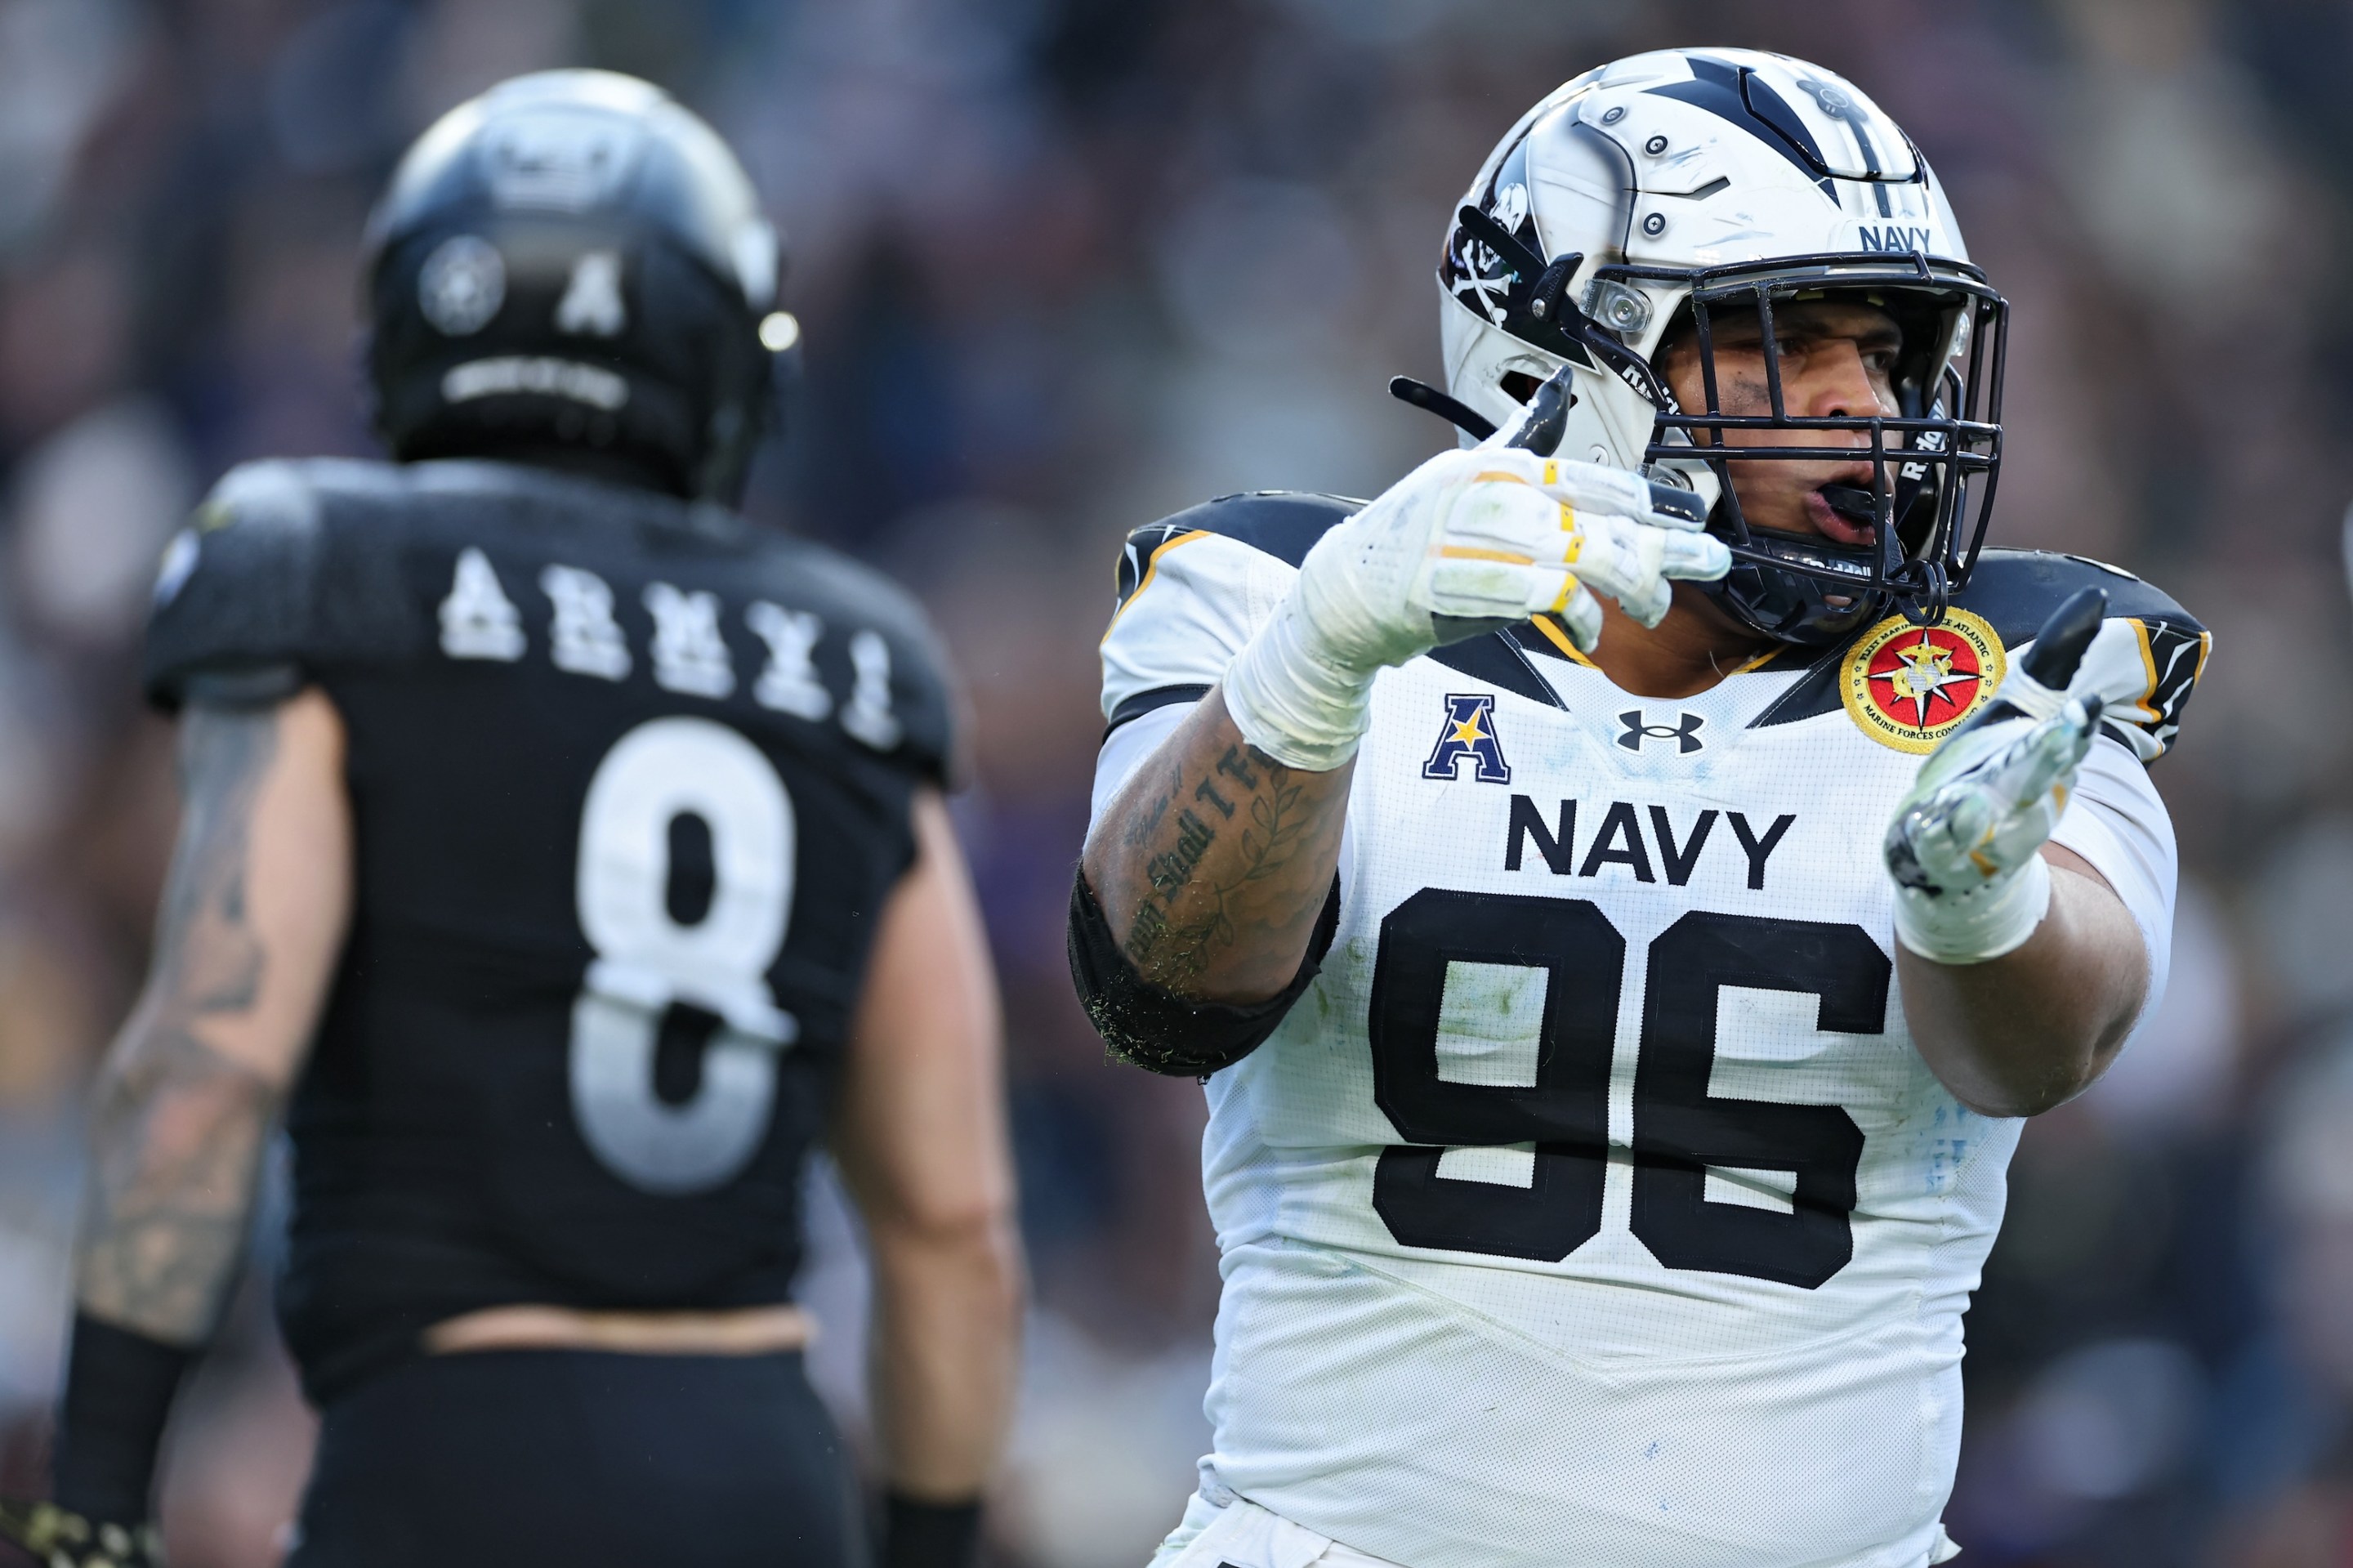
(1910,686)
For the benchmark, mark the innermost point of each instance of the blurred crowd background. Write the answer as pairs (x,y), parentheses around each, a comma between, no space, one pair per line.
(1067,265)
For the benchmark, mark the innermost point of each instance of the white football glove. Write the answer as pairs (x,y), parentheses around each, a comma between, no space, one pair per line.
(1965,848)
(1468,542)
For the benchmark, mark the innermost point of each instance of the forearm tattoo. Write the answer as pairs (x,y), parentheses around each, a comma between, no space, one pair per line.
(180,1129)
(1255,809)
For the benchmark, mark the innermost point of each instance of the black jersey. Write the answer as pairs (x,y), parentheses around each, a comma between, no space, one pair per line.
(630,782)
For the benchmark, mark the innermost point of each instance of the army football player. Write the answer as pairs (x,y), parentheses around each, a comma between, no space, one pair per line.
(567,857)
(1617,1019)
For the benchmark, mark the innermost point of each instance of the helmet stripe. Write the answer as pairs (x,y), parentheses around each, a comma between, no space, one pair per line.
(1852,118)
(1716,86)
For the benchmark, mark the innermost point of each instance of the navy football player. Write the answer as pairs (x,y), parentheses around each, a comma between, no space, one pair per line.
(565,858)
(1617,1017)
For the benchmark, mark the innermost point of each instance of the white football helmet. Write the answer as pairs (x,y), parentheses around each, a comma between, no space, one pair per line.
(1654,190)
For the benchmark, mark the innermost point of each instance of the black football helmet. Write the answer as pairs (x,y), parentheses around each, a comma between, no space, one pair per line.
(574,261)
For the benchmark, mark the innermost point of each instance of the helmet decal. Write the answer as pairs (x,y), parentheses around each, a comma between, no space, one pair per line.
(1724,90)
(1477,273)
(592,304)
(461,285)
(559,159)
(1837,104)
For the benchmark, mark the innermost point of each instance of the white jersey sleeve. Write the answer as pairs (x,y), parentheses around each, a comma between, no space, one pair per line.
(1124,749)
(1192,590)
(1197,597)
(2143,663)
(2117,821)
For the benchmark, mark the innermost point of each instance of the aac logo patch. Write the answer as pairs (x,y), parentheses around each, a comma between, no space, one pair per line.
(1910,686)
(1469,732)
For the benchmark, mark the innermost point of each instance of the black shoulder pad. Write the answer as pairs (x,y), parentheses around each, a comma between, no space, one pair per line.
(1285,523)
(925,701)
(262,587)
(2154,672)
(2016,590)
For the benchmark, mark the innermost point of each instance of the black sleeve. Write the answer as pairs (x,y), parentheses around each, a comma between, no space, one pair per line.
(119,1390)
(918,1535)
(1149,1027)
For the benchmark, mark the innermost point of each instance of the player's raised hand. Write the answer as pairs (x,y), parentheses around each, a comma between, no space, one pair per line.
(1965,848)
(1468,542)
(1583,529)
(59,1538)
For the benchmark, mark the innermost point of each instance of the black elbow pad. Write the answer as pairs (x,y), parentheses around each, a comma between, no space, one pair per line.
(1157,1030)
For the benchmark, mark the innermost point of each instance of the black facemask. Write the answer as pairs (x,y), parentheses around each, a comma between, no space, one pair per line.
(1942,447)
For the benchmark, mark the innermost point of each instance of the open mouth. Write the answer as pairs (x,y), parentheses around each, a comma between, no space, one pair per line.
(1844,514)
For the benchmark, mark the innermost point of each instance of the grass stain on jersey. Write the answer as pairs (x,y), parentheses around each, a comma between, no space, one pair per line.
(1490,1023)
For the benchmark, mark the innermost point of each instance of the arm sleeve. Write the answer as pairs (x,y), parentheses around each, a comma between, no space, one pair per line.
(1149,1027)
(2117,821)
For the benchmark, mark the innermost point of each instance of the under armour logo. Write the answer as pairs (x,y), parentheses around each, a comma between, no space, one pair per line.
(1683,732)
(1469,731)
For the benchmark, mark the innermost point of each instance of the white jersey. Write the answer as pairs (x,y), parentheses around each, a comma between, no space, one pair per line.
(1592,1206)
